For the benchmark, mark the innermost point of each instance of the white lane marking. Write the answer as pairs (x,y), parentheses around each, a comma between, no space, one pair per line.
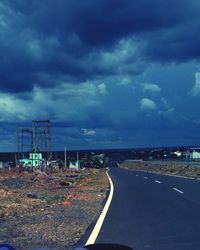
(145,177)
(97,228)
(137,175)
(158,181)
(177,190)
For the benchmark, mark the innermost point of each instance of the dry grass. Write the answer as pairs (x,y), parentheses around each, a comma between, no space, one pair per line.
(58,217)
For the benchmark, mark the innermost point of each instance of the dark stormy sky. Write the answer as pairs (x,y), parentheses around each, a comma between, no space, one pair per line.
(107,73)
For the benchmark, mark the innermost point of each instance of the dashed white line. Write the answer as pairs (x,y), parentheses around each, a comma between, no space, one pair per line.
(177,190)
(137,175)
(158,181)
(145,177)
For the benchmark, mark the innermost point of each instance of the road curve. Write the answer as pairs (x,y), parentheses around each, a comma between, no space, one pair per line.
(152,212)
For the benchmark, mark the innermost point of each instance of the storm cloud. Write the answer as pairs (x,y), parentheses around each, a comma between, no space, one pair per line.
(44,40)
(107,64)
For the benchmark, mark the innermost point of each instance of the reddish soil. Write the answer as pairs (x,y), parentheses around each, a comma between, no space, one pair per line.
(49,210)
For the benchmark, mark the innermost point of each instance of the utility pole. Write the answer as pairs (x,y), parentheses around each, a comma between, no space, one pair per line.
(18,146)
(77,160)
(16,162)
(65,157)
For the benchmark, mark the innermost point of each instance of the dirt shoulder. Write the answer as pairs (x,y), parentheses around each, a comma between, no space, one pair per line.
(52,210)
(172,168)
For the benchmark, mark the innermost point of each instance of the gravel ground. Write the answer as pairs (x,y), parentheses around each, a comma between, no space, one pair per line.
(186,169)
(51,211)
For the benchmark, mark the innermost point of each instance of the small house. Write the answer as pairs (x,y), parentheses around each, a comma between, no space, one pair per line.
(74,165)
(35,160)
(193,154)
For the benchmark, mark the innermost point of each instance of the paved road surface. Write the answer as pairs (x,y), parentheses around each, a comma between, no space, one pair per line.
(153,212)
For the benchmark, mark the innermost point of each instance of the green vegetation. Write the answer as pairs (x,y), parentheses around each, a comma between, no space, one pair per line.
(52,198)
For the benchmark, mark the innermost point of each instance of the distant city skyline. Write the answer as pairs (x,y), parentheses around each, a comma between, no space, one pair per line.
(108,74)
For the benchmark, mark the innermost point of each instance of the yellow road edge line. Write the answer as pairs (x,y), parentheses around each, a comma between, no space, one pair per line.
(97,227)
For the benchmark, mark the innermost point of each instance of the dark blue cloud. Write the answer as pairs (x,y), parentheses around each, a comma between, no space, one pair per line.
(68,32)
(179,44)
(103,22)
(55,55)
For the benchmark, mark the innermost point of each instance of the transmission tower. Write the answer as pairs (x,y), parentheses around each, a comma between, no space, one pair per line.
(36,139)
(42,137)
(24,141)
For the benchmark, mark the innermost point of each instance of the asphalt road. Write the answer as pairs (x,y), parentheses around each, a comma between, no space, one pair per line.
(152,211)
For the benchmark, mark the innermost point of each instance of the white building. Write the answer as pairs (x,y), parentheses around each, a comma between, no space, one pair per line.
(193,154)
(35,160)
(74,165)
(178,153)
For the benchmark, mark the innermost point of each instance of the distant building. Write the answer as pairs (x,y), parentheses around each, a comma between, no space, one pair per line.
(74,165)
(177,153)
(35,160)
(193,154)
(98,157)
